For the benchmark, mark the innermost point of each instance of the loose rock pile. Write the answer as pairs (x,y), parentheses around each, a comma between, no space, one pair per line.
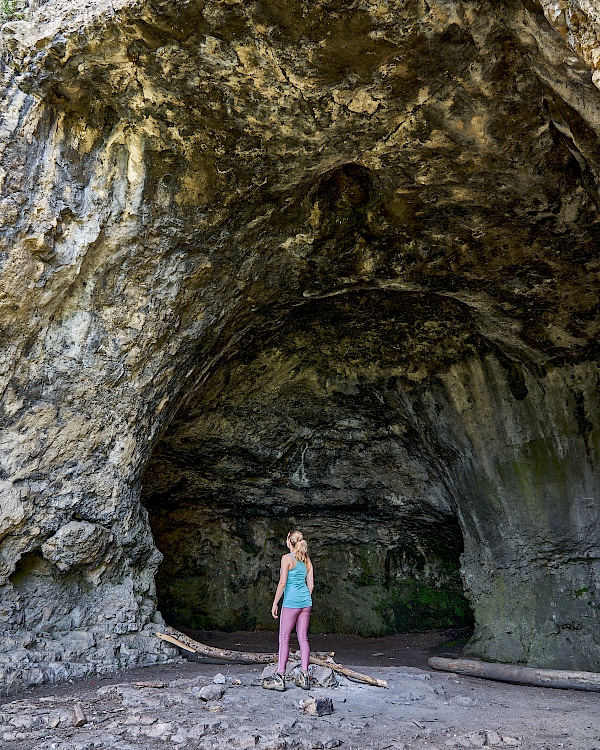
(147,714)
(204,710)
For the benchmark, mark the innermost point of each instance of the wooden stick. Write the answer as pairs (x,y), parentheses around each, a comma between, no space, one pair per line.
(553,678)
(247,657)
(349,672)
(189,644)
(79,718)
(176,642)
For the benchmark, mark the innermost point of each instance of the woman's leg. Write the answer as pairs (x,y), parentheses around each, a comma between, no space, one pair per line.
(302,632)
(287,620)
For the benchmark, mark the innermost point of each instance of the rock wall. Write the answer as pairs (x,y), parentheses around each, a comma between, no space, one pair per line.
(317,427)
(178,178)
(390,476)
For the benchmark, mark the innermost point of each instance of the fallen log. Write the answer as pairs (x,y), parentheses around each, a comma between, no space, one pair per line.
(552,678)
(189,644)
(245,657)
(248,657)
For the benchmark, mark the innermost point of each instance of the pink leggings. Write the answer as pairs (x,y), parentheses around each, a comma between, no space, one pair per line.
(289,617)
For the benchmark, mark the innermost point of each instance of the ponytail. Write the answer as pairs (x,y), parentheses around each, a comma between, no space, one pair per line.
(299,546)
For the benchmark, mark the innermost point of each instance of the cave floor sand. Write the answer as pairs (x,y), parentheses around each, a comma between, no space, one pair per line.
(159,707)
(404,649)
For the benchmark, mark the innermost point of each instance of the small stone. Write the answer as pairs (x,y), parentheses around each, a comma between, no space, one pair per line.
(511,741)
(219,679)
(317,707)
(211,693)
(159,730)
(324,676)
(197,731)
(478,739)
(493,738)
(22,721)
(142,719)
(247,740)
(463,700)
(79,718)
(274,745)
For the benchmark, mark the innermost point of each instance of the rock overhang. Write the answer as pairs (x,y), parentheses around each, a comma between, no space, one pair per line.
(484,181)
(265,157)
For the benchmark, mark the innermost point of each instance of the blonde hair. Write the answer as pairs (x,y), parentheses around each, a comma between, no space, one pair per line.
(299,545)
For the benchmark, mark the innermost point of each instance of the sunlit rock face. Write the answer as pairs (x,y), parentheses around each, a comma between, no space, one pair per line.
(314,262)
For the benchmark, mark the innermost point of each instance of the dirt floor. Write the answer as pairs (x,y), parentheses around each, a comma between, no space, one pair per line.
(405,650)
(163,707)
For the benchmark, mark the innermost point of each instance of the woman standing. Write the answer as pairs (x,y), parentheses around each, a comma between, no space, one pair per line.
(296,582)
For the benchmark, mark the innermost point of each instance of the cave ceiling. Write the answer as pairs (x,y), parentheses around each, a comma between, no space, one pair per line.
(330,146)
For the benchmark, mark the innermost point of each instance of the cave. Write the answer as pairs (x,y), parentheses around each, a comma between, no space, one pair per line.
(325,424)
(332,265)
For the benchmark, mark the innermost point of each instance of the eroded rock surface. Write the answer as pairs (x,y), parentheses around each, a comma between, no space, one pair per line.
(355,247)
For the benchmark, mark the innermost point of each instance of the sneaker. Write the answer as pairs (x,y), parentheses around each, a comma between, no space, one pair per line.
(303,680)
(276,682)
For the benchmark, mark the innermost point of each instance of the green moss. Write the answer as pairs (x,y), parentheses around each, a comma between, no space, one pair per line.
(419,606)
(10,11)
(223,576)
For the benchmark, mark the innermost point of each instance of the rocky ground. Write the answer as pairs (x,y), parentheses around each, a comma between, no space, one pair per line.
(207,706)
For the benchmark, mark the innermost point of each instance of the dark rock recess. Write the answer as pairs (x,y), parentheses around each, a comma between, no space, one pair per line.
(329,264)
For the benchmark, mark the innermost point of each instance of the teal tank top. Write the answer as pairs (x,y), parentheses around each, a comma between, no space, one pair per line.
(296,593)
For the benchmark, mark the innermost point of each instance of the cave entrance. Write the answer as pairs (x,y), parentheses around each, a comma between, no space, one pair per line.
(329,425)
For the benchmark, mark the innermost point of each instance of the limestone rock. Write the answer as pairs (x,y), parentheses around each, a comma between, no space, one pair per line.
(288,263)
(324,676)
(317,706)
(75,544)
(12,511)
(211,692)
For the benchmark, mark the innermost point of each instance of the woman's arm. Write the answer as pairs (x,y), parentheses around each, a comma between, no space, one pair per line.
(285,566)
(310,578)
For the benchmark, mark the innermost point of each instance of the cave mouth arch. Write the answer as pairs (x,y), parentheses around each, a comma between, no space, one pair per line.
(326,424)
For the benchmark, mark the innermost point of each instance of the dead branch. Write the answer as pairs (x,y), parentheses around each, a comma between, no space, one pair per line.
(553,678)
(189,644)
(244,657)
(248,657)
(349,672)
